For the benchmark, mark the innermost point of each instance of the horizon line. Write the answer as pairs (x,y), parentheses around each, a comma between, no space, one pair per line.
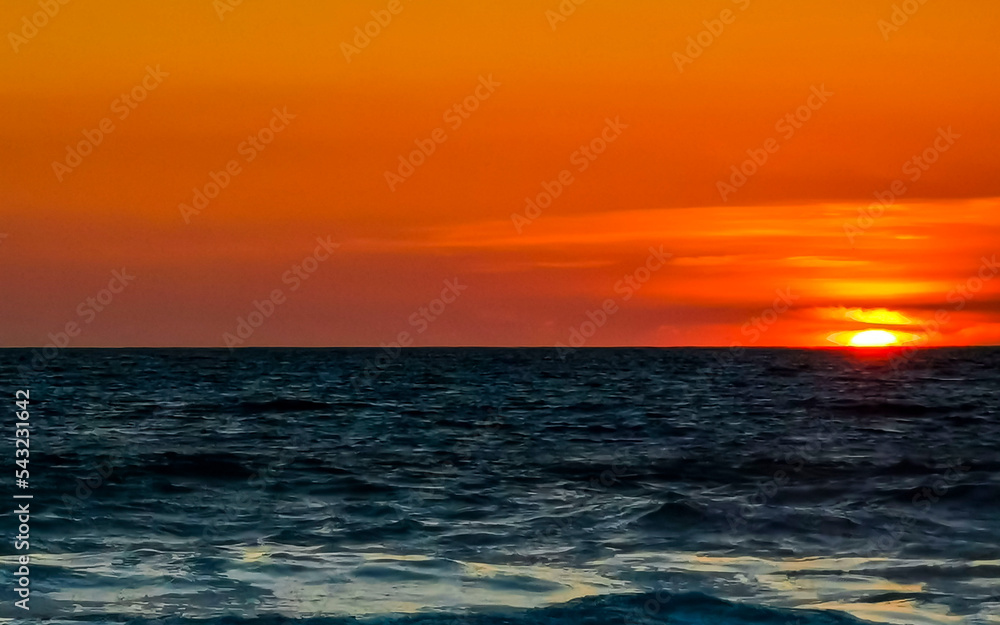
(551,347)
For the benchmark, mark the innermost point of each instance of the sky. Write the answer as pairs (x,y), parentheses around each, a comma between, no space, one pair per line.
(713,173)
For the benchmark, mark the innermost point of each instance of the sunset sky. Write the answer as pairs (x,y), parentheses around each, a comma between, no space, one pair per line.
(637,126)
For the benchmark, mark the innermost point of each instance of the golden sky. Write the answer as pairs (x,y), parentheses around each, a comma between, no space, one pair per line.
(634,117)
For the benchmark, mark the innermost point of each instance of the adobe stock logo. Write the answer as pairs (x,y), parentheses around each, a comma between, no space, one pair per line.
(901,14)
(122,106)
(87,310)
(713,30)
(222,7)
(420,320)
(250,149)
(630,284)
(454,117)
(582,158)
(294,277)
(39,20)
(788,126)
(372,29)
(562,12)
(914,170)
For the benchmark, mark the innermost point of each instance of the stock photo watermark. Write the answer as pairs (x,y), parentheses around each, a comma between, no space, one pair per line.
(87,311)
(454,117)
(901,14)
(562,12)
(259,481)
(85,487)
(598,485)
(958,297)
(363,35)
(223,7)
(626,288)
(920,504)
(793,463)
(913,169)
(788,126)
(758,325)
(33,24)
(249,149)
(420,321)
(295,277)
(697,44)
(582,159)
(122,106)
(966,291)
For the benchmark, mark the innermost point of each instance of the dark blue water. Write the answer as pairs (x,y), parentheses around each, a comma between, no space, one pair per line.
(509,486)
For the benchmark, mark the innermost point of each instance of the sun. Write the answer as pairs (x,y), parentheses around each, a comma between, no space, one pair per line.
(873,338)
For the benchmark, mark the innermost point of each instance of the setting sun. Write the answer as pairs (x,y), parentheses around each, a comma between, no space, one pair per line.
(873,338)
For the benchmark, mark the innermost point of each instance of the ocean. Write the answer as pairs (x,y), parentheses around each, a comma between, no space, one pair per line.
(517,486)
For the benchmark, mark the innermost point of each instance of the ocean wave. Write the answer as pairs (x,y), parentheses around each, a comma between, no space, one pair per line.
(632,609)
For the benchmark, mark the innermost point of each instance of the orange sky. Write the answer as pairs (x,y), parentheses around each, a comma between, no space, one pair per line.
(869,100)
